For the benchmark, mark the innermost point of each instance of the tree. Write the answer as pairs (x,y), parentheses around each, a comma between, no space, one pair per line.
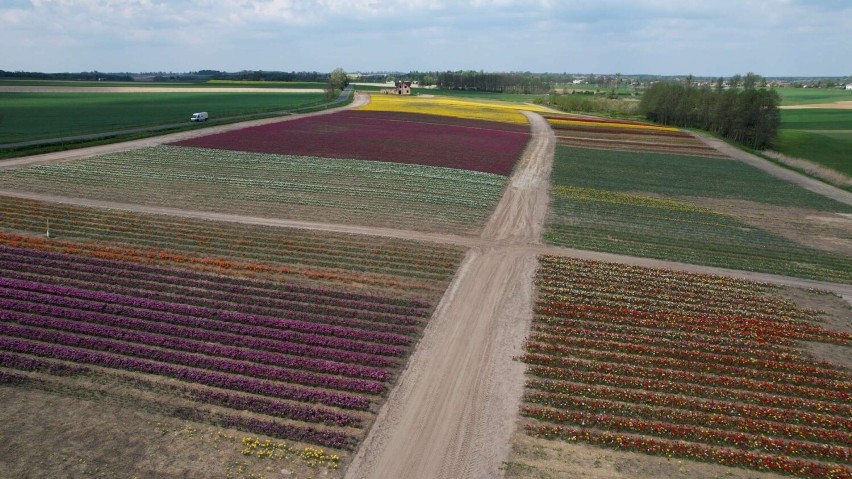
(337,80)
(735,80)
(750,81)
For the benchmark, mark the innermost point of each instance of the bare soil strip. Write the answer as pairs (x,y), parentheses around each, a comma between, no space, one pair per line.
(811,184)
(838,105)
(76,154)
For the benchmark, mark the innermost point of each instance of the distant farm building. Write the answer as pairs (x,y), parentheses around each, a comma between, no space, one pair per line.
(401,88)
(849,86)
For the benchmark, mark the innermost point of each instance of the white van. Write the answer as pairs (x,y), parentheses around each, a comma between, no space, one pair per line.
(201,116)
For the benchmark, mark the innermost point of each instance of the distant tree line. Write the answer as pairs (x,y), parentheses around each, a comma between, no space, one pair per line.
(492,82)
(201,75)
(737,109)
(469,80)
(261,75)
(81,76)
(588,102)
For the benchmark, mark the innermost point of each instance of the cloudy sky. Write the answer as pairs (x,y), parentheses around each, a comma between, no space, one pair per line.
(671,37)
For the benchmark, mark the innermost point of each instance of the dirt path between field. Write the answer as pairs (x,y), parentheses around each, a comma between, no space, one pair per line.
(780,172)
(453,410)
(837,105)
(361,99)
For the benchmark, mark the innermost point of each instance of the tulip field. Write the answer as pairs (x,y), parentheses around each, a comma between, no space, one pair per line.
(387,137)
(687,366)
(288,334)
(444,107)
(278,186)
(415,270)
(624,135)
(651,204)
(365,168)
(248,341)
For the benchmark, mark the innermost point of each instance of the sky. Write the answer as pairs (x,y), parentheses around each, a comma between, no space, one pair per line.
(665,37)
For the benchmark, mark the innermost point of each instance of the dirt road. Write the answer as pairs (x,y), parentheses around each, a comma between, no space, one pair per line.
(453,411)
(837,105)
(520,214)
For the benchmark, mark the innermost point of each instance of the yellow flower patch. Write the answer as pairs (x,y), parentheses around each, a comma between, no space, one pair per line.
(628,199)
(452,107)
(608,124)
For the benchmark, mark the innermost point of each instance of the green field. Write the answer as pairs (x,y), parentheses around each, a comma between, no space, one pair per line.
(143,84)
(816,119)
(805,96)
(828,148)
(37,116)
(823,136)
(645,204)
(674,175)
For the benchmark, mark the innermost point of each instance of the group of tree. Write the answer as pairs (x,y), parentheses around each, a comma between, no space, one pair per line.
(470,80)
(264,75)
(79,76)
(739,109)
(492,82)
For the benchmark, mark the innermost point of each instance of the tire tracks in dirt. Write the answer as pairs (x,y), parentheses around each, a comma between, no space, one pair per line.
(452,413)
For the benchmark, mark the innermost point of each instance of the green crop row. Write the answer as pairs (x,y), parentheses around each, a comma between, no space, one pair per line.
(626,203)
(680,176)
(307,188)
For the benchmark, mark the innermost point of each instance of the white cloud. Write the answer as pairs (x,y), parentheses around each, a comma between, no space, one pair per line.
(652,36)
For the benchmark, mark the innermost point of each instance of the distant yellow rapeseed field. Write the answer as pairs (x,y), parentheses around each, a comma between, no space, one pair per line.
(453,107)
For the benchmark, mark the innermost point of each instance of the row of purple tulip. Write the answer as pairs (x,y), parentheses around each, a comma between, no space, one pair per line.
(195,329)
(208,378)
(53,295)
(202,312)
(256,404)
(28,363)
(311,435)
(11,378)
(263,405)
(45,315)
(118,346)
(166,293)
(205,293)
